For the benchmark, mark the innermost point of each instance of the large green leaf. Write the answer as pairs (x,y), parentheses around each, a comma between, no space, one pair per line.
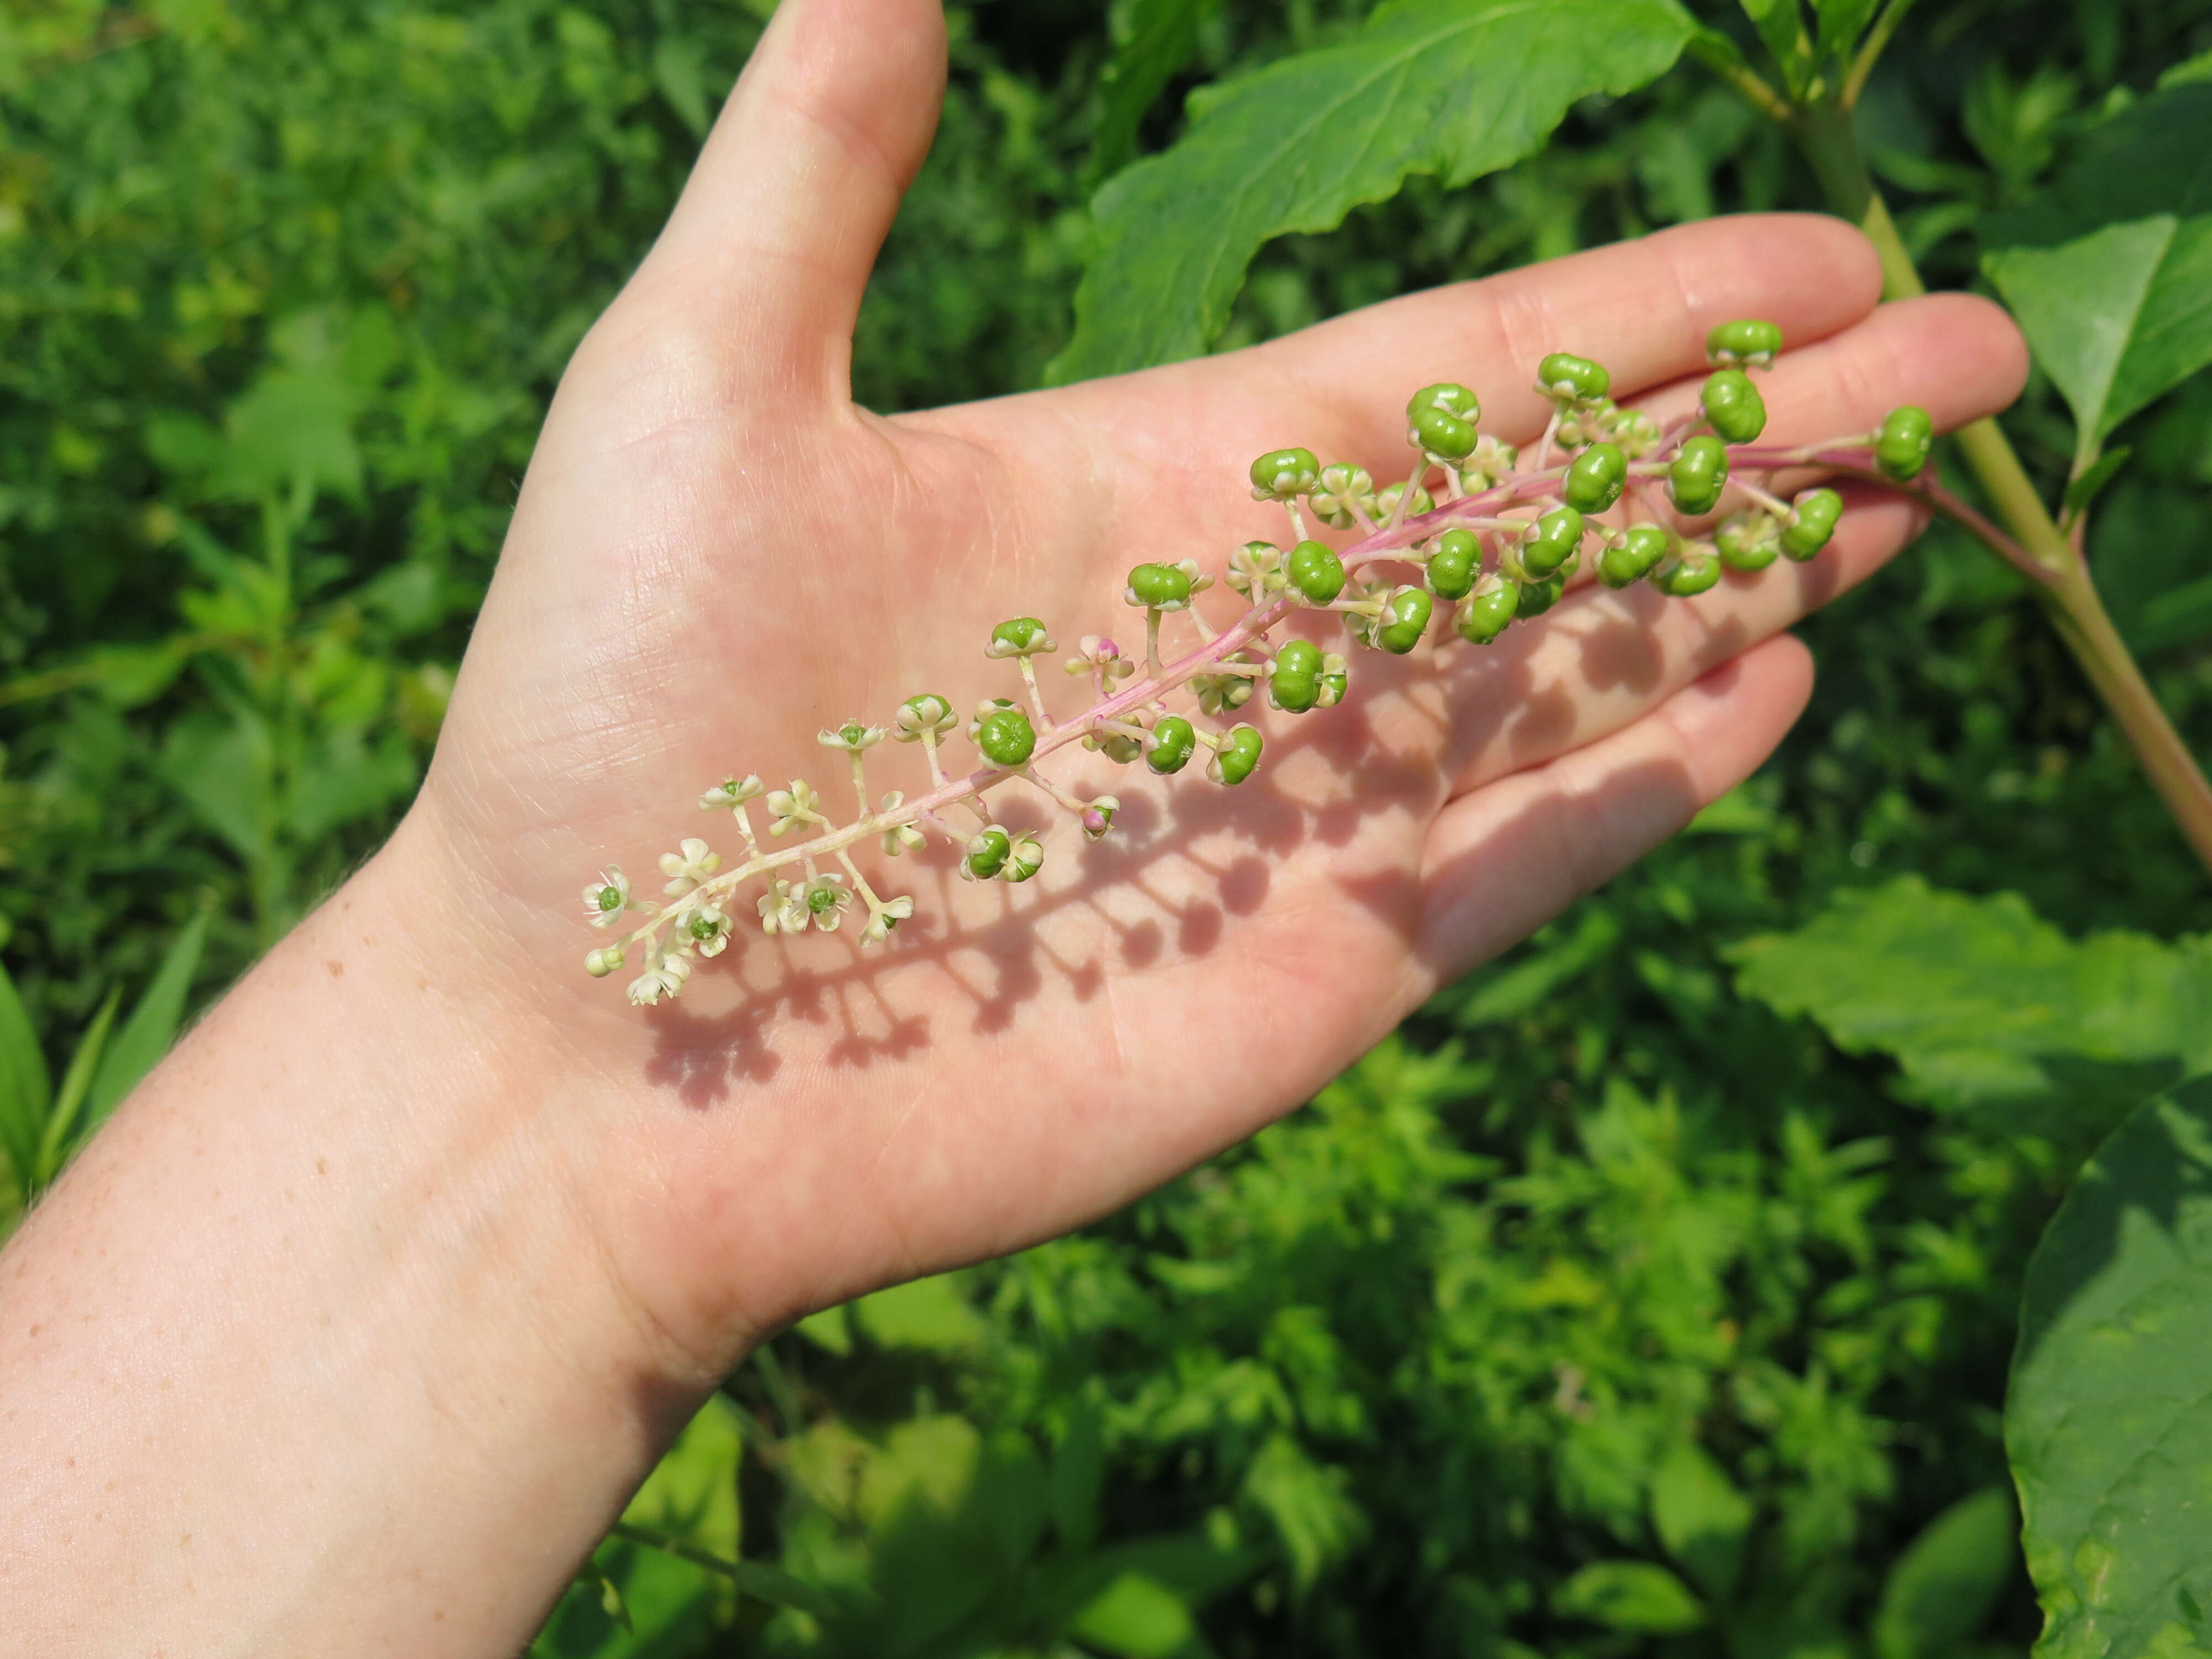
(2110,269)
(2109,1419)
(1981,1001)
(1152,41)
(1431,86)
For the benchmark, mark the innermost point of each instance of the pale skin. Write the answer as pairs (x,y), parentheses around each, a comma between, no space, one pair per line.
(355,1327)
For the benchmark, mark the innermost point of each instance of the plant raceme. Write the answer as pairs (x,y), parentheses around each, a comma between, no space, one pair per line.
(1498,542)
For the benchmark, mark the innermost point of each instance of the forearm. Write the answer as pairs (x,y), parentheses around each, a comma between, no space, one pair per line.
(314,1350)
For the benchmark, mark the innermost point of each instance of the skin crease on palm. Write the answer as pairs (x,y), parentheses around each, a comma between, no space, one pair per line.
(353,1329)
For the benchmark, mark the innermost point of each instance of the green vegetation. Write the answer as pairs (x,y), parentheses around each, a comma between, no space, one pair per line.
(1654,1291)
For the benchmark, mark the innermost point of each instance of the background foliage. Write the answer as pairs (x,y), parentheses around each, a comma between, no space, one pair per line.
(1651,1292)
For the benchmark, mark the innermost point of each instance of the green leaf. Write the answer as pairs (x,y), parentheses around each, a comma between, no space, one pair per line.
(1701,1518)
(2110,268)
(1510,992)
(1077,1478)
(223,769)
(2108,1422)
(930,1314)
(1782,27)
(1138,1617)
(1629,1596)
(25,1087)
(2086,307)
(76,1081)
(2086,488)
(152,1027)
(1429,86)
(1980,1001)
(1153,40)
(1943,1586)
(1842,22)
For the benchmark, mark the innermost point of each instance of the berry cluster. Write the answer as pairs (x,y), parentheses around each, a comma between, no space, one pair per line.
(1498,542)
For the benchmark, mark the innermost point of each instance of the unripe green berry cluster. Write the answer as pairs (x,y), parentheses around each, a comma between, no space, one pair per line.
(1498,542)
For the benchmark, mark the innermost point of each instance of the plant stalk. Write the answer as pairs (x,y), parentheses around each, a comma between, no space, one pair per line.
(2069,596)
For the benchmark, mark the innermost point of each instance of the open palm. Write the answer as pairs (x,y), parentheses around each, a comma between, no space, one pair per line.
(716,554)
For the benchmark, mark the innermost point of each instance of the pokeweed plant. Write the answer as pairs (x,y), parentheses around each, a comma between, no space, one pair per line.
(1498,542)
(2105,270)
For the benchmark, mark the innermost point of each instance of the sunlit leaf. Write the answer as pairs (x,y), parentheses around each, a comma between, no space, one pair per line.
(1429,86)
(2108,1421)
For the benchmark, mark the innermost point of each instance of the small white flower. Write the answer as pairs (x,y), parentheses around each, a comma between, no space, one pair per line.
(923,713)
(1257,569)
(707,928)
(1096,654)
(663,977)
(731,792)
(825,898)
(852,735)
(901,838)
(687,868)
(605,899)
(781,910)
(1487,467)
(883,918)
(788,808)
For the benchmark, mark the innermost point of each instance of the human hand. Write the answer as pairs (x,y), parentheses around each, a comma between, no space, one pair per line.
(716,554)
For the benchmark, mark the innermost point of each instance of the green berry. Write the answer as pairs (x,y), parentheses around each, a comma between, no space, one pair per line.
(1018,636)
(1634,556)
(1335,680)
(1295,686)
(1006,737)
(1745,341)
(1539,596)
(1284,475)
(1442,433)
(1485,614)
(1577,379)
(1172,743)
(1747,541)
(1817,512)
(1159,587)
(1699,475)
(987,854)
(1454,561)
(1594,482)
(1316,572)
(1404,620)
(1691,570)
(1551,541)
(1733,404)
(1900,447)
(1441,418)
(1239,753)
(1449,396)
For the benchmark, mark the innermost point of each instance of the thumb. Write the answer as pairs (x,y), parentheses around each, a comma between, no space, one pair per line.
(771,243)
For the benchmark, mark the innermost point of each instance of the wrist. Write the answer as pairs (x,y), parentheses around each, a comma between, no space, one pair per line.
(347,1281)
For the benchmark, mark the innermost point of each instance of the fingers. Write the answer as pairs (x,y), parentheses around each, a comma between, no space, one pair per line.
(770,245)
(1957,355)
(1501,862)
(1641,308)
(1615,655)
